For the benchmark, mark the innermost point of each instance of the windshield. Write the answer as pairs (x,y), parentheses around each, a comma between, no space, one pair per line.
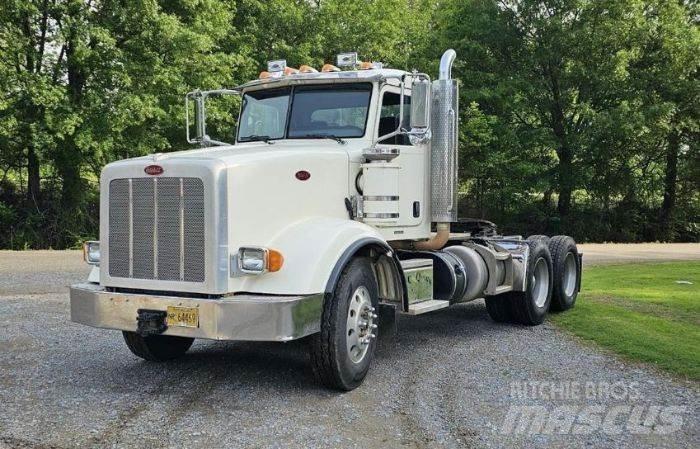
(264,115)
(338,111)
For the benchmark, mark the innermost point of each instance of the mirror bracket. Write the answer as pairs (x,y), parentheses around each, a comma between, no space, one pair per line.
(199,97)
(416,135)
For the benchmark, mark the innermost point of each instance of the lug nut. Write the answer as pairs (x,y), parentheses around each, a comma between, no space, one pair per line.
(374,316)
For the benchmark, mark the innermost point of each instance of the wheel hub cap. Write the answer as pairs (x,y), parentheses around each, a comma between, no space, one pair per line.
(539,282)
(570,274)
(360,324)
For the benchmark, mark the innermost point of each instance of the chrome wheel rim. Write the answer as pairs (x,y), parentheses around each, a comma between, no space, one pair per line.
(570,274)
(360,327)
(539,282)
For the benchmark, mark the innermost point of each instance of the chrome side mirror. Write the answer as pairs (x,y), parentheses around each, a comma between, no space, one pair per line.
(420,109)
(199,97)
(200,126)
(420,104)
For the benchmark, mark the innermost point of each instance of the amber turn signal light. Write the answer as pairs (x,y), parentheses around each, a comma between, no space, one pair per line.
(275,260)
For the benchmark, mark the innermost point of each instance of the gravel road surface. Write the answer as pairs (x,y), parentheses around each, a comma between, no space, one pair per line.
(448,379)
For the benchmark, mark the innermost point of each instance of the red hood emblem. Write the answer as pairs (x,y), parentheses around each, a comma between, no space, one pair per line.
(302,175)
(153,170)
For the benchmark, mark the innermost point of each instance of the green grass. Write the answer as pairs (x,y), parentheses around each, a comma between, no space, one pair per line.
(640,312)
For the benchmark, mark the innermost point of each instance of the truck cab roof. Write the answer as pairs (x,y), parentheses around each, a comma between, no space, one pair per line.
(369,75)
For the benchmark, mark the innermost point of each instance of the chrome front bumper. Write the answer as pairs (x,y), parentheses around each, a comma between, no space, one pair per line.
(244,317)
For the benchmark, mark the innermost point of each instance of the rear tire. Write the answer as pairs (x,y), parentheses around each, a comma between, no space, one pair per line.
(544,238)
(157,348)
(529,307)
(499,308)
(565,262)
(342,352)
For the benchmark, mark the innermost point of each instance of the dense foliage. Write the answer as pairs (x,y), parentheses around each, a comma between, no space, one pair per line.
(578,116)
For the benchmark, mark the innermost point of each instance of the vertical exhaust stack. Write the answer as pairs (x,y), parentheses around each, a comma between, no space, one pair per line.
(443,156)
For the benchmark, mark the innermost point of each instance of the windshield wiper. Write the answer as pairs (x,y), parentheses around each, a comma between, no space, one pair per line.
(322,136)
(256,138)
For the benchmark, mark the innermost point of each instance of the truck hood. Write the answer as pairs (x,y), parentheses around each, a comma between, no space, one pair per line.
(257,152)
(246,195)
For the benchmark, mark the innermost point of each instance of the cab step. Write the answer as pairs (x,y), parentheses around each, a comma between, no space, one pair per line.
(427,306)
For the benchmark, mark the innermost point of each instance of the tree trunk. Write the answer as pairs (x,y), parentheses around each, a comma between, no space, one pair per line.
(69,155)
(33,176)
(565,181)
(667,207)
(565,175)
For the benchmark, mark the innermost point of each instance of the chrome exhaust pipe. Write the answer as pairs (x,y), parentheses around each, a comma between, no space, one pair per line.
(443,151)
(448,58)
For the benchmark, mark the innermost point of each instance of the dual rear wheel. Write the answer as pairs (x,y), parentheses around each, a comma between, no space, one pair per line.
(552,283)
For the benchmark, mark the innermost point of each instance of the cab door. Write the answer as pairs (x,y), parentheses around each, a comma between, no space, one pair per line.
(412,159)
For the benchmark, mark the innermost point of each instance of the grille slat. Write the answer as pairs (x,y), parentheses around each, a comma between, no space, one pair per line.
(119,231)
(143,200)
(156,229)
(169,229)
(194,230)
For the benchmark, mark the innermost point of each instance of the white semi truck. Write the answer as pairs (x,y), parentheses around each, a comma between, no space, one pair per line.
(329,213)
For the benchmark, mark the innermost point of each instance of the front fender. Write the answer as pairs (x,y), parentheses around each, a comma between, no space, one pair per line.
(312,249)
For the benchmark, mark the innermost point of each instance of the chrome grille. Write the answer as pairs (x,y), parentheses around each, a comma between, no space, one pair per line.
(156,229)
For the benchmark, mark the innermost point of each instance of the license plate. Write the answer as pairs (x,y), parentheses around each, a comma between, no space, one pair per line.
(183,316)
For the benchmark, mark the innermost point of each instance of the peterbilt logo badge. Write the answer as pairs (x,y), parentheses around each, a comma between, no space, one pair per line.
(153,170)
(302,175)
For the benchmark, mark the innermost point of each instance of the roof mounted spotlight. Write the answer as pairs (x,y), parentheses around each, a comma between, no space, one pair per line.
(348,60)
(276,68)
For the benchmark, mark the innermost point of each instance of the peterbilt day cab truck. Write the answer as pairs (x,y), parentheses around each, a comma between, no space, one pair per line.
(331,212)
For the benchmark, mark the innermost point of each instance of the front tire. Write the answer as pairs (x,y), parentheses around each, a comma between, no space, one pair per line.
(157,348)
(342,352)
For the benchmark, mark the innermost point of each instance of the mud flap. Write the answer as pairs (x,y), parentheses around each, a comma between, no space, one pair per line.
(580,269)
(387,320)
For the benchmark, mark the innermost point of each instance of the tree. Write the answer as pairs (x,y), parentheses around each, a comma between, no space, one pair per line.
(90,81)
(561,83)
(666,76)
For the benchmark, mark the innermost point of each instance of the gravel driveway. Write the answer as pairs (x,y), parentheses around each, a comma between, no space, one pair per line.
(448,379)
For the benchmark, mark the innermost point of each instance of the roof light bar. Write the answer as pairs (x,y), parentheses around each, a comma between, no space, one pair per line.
(330,68)
(307,69)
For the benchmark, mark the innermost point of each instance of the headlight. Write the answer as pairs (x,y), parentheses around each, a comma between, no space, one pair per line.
(91,252)
(252,260)
(256,260)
